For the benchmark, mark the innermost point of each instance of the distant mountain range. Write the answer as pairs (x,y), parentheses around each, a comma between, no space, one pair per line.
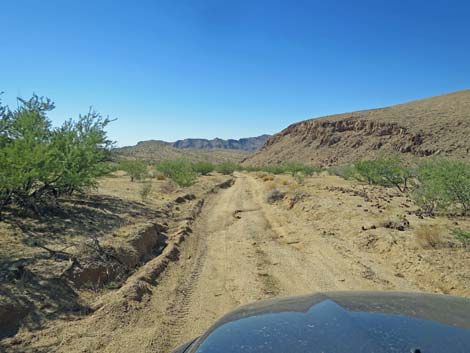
(249,144)
(215,150)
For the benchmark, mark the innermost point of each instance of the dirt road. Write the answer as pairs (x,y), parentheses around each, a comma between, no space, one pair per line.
(242,249)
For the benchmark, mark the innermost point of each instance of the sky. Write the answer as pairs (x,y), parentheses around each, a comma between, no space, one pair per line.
(172,69)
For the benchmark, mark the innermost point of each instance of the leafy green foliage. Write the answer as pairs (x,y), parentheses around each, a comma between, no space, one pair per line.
(347,171)
(385,171)
(39,163)
(203,168)
(441,184)
(461,235)
(136,169)
(227,168)
(292,168)
(180,171)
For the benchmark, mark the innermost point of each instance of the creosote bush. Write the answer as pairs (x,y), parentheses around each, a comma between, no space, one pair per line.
(39,163)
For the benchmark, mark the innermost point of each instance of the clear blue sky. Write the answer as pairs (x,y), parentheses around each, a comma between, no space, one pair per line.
(171,69)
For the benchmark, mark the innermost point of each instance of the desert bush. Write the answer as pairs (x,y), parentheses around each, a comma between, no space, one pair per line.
(179,170)
(273,169)
(428,236)
(203,168)
(168,187)
(367,171)
(299,178)
(275,195)
(287,167)
(38,163)
(387,172)
(135,169)
(462,235)
(443,184)
(294,168)
(346,171)
(310,170)
(251,168)
(145,190)
(227,168)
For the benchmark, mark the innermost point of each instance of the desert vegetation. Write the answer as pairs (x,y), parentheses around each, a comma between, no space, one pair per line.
(107,208)
(135,169)
(39,162)
(436,185)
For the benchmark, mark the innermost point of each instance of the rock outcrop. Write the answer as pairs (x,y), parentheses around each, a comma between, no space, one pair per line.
(430,127)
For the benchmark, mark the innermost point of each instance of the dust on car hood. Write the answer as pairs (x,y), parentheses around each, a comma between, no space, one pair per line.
(344,322)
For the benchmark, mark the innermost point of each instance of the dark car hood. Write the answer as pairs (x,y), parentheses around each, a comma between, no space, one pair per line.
(344,322)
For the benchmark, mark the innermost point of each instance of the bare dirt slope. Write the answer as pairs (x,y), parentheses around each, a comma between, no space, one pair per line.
(434,126)
(243,249)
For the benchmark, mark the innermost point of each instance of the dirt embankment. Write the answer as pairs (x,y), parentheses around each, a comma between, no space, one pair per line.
(49,283)
(324,234)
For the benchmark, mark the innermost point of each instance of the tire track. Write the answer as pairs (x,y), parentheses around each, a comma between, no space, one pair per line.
(177,309)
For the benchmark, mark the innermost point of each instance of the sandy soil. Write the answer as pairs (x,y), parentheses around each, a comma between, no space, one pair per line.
(243,249)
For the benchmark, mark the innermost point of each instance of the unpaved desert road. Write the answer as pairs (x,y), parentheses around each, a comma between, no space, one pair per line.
(242,249)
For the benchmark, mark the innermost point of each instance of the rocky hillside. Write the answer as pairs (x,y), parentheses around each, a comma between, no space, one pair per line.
(156,151)
(249,144)
(437,126)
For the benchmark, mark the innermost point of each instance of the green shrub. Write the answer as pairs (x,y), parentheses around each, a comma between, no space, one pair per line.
(311,170)
(227,168)
(386,172)
(203,168)
(461,235)
(292,168)
(273,169)
(136,169)
(347,171)
(38,163)
(251,168)
(442,184)
(179,170)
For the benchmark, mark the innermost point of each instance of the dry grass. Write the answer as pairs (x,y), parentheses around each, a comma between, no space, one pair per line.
(268,178)
(428,236)
(168,187)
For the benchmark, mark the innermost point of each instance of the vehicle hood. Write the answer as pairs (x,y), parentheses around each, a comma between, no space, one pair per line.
(344,322)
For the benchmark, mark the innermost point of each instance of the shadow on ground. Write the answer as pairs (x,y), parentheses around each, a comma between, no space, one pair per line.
(32,288)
